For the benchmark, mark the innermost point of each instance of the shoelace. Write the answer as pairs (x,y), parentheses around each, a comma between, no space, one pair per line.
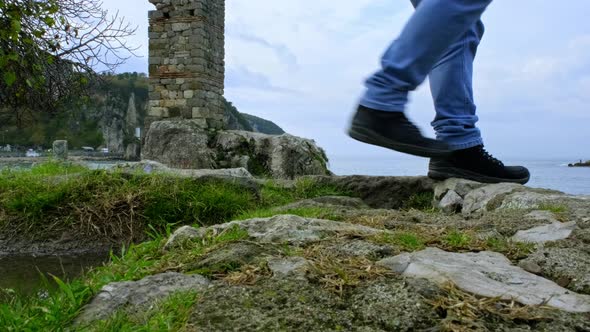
(489,157)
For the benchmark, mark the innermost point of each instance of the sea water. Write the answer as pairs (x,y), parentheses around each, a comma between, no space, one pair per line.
(549,174)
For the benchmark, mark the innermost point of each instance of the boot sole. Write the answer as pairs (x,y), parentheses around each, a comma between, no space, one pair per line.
(370,137)
(444,173)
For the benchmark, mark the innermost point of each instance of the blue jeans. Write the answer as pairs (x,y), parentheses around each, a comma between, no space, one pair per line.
(439,41)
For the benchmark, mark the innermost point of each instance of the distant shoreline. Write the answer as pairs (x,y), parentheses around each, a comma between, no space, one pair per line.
(580,164)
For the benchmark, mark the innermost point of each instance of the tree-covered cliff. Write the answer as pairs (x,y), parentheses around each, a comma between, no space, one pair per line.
(107,117)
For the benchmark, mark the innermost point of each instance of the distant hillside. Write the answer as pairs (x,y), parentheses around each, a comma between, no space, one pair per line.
(247,122)
(106,117)
(97,119)
(263,126)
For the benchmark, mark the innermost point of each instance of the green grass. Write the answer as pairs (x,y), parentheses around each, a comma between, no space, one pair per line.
(53,167)
(57,310)
(273,194)
(457,240)
(48,313)
(512,249)
(56,197)
(170,314)
(101,203)
(406,240)
(555,208)
(419,201)
(453,240)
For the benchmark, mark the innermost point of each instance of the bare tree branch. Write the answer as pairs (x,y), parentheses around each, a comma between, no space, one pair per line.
(51,49)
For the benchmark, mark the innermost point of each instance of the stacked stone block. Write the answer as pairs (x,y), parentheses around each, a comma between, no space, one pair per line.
(186,61)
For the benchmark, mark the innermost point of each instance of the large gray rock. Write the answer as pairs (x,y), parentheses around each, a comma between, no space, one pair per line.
(179,144)
(134,294)
(60,149)
(181,236)
(184,144)
(477,198)
(569,266)
(283,156)
(460,186)
(502,196)
(133,151)
(486,274)
(487,198)
(279,229)
(542,215)
(535,198)
(154,167)
(286,267)
(294,304)
(386,192)
(546,233)
(451,202)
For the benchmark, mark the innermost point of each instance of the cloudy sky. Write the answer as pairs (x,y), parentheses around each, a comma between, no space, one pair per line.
(301,63)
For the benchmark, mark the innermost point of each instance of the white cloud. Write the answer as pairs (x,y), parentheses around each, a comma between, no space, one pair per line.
(527,70)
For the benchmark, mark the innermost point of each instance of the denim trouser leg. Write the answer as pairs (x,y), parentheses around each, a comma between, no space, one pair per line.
(428,40)
(452,92)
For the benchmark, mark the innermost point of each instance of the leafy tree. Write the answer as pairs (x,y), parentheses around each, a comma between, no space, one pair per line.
(50,51)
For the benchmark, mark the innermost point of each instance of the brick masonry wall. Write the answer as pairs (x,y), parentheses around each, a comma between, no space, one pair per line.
(186,61)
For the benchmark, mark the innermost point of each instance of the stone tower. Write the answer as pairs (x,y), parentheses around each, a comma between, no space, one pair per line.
(186,61)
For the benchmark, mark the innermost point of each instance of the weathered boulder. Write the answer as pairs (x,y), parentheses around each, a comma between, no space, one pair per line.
(181,236)
(284,156)
(393,306)
(294,304)
(488,198)
(233,255)
(280,229)
(569,266)
(486,274)
(542,215)
(533,199)
(179,144)
(386,192)
(360,248)
(276,304)
(294,267)
(133,294)
(474,199)
(151,167)
(184,144)
(460,186)
(60,149)
(133,151)
(451,202)
(546,233)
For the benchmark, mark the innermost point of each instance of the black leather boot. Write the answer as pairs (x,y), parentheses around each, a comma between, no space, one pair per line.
(394,131)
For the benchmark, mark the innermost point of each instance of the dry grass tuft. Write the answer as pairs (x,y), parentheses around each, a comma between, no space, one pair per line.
(413,238)
(464,311)
(336,273)
(247,275)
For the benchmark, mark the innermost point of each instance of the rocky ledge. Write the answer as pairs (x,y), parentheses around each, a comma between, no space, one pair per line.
(499,257)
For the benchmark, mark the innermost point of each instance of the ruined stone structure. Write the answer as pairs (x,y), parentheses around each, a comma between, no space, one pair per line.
(186,122)
(186,61)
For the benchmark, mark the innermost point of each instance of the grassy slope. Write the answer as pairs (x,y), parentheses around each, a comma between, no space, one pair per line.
(55,196)
(161,204)
(52,198)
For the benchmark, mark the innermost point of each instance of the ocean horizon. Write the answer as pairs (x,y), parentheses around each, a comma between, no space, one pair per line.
(545,173)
